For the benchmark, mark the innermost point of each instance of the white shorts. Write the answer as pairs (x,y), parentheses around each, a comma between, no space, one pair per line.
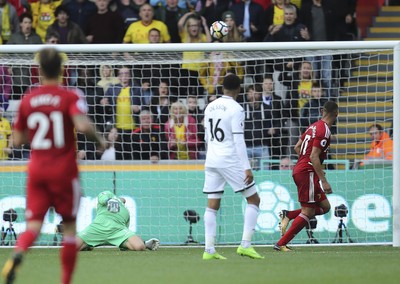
(216,179)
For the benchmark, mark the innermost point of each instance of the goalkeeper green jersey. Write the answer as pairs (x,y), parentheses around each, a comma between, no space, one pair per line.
(104,217)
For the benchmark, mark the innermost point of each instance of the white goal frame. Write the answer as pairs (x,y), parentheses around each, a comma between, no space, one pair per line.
(351,45)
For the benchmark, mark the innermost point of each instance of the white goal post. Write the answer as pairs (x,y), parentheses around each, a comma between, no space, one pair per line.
(156,53)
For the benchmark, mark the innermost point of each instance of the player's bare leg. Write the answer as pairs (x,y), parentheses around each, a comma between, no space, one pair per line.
(285,216)
(134,243)
(81,245)
(298,224)
(24,241)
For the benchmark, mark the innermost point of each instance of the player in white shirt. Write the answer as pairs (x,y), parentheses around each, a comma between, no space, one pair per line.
(227,162)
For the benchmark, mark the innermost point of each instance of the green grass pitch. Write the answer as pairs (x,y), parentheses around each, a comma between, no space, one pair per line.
(313,264)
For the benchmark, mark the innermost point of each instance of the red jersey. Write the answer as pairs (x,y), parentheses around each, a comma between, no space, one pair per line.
(46,113)
(317,135)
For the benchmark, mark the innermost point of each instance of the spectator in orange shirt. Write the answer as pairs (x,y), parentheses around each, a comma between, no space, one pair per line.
(381,145)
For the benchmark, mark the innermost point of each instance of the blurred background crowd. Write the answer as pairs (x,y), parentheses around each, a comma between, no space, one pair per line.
(155,111)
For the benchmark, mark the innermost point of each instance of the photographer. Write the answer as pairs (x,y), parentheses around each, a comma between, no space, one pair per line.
(111,227)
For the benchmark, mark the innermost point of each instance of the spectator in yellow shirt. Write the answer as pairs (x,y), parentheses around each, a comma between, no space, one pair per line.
(43,15)
(192,29)
(138,32)
(5,133)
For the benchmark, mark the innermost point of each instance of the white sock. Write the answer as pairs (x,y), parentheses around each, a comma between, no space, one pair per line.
(250,221)
(210,227)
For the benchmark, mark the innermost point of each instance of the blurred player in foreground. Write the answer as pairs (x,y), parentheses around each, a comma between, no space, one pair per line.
(111,227)
(227,162)
(46,119)
(309,176)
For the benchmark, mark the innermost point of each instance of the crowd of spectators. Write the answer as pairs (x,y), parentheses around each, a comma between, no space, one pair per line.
(154,112)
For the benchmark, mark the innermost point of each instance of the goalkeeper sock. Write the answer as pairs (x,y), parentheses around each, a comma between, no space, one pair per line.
(68,258)
(210,226)
(25,240)
(293,214)
(297,225)
(250,221)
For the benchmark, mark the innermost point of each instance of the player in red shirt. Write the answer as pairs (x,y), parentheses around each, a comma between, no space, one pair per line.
(46,119)
(309,176)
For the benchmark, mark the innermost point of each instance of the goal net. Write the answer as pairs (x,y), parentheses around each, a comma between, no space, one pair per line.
(284,87)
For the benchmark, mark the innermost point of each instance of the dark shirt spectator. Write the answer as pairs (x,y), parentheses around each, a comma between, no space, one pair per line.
(273,15)
(170,15)
(256,127)
(212,10)
(105,26)
(26,35)
(80,11)
(274,115)
(311,111)
(70,33)
(21,74)
(148,142)
(343,17)
(129,11)
(317,17)
(291,30)
(318,20)
(252,25)
(299,85)
(93,95)
(161,102)
(5,87)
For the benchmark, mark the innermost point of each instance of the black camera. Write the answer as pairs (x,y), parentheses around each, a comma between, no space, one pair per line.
(191,216)
(10,215)
(341,211)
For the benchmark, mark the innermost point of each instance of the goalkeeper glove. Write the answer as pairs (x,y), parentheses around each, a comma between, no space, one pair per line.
(113,205)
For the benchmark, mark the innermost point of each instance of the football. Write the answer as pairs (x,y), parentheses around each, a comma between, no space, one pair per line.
(219,29)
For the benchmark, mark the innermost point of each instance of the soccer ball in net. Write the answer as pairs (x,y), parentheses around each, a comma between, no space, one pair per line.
(219,29)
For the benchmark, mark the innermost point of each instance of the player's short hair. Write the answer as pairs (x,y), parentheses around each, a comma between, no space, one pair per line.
(50,63)
(331,107)
(231,82)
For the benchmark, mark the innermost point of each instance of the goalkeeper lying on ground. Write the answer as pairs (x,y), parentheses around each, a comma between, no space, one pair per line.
(111,227)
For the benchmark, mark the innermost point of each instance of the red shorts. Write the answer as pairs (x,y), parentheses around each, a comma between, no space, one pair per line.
(44,191)
(309,189)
